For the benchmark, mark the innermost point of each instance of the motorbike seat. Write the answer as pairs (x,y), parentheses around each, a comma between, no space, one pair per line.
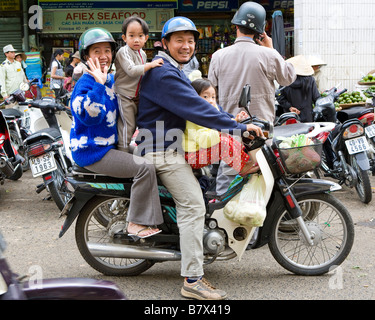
(352,113)
(291,129)
(44,133)
(80,172)
(10,114)
(77,170)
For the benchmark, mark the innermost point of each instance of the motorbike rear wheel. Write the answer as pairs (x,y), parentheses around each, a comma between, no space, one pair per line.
(17,143)
(363,186)
(94,224)
(57,187)
(333,230)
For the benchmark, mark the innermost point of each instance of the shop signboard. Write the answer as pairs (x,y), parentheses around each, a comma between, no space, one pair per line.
(207,5)
(271,5)
(77,21)
(9,5)
(112,4)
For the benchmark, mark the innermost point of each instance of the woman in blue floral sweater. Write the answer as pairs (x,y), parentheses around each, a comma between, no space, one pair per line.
(94,137)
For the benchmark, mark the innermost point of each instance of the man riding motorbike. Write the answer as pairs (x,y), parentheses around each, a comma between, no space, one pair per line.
(167,100)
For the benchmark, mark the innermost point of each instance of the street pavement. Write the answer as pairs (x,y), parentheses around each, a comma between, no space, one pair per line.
(31,226)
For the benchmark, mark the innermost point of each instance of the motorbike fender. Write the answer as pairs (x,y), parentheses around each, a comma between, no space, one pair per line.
(314,186)
(72,289)
(362,161)
(72,209)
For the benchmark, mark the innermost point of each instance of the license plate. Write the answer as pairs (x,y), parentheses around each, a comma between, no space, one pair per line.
(42,164)
(357,145)
(370,131)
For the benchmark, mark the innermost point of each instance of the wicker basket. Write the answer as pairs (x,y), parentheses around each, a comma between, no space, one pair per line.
(301,159)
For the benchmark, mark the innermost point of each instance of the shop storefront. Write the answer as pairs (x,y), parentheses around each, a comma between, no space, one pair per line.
(212,19)
(11,24)
(64,21)
(286,7)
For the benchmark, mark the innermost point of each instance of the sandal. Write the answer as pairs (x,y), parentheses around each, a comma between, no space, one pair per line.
(136,236)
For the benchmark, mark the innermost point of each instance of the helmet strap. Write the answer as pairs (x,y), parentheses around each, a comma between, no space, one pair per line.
(185,62)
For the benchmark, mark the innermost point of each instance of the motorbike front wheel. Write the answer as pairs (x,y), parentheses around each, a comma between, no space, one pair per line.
(98,222)
(331,226)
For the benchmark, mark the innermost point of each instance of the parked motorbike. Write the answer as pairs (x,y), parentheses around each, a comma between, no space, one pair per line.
(12,288)
(307,229)
(48,150)
(20,101)
(345,150)
(17,132)
(366,116)
(10,161)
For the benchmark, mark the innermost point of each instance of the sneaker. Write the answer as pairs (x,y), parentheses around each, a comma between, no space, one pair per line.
(202,290)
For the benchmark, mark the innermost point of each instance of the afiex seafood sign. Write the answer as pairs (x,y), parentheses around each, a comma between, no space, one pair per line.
(77,21)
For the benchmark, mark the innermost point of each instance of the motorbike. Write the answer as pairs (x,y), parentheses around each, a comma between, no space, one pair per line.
(366,116)
(10,160)
(345,150)
(17,132)
(307,229)
(20,99)
(48,149)
(13,288)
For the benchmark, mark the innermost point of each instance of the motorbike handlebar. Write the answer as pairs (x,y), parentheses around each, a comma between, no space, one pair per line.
(47,104)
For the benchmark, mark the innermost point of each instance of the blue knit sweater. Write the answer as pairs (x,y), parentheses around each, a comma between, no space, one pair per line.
(94,129)
(167,100)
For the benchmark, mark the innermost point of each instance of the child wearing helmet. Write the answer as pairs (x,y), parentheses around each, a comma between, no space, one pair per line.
(94,139)
(130,66)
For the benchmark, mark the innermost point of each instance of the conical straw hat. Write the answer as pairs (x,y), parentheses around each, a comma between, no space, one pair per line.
(301,65)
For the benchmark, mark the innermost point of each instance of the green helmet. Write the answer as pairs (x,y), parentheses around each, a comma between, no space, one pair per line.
(251,15)
(95,35)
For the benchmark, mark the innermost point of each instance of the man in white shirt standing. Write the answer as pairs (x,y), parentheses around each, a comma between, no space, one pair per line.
(250,60)
(11,72)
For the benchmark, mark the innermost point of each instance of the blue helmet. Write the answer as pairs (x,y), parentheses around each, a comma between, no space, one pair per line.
(179,24)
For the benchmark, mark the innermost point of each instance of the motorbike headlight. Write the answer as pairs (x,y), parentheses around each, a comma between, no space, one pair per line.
(355,130)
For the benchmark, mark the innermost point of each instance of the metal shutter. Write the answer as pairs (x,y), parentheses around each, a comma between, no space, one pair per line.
(10,33)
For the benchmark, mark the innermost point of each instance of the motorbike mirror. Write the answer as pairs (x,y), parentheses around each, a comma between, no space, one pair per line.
(24,86)
(245,98)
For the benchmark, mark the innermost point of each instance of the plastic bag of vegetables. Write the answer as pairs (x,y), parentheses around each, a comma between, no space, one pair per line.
(248,207)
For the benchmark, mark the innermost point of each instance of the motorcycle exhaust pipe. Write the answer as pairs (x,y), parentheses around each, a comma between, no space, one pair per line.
(132,252)
(6,167)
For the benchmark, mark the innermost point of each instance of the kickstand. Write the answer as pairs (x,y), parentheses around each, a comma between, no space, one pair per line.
(47,198)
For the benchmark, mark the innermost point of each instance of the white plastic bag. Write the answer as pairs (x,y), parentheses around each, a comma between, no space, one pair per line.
(248,207)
